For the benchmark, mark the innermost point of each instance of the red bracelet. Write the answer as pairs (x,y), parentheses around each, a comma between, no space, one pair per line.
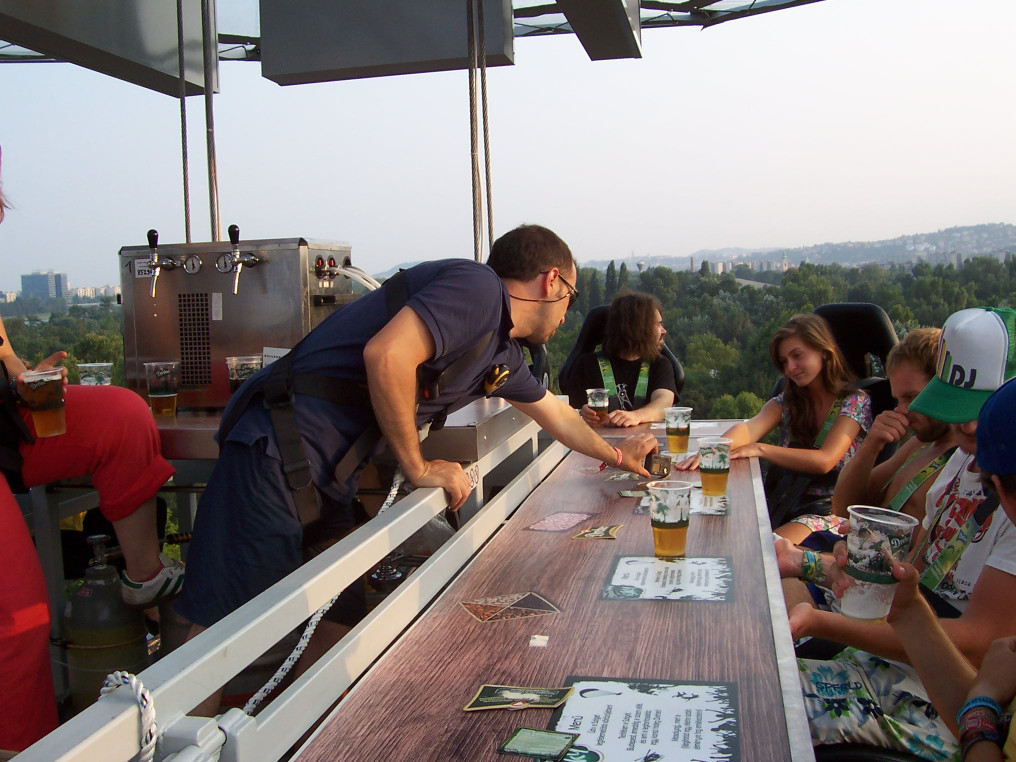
(620,457)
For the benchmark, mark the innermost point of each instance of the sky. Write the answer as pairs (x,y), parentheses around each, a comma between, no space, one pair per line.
(840,120)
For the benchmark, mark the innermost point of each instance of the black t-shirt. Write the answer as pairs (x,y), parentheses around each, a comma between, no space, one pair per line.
(626,376)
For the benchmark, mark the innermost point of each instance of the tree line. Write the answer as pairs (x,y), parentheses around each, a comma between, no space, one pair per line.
(719,328)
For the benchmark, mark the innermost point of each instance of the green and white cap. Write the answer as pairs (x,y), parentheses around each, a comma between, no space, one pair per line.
(976,355)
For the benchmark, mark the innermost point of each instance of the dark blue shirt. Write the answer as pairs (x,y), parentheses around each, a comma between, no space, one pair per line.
(459,300)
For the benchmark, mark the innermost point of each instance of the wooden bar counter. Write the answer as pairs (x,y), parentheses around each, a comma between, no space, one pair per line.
(410,705)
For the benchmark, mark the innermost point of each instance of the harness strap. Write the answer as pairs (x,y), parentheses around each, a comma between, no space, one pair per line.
(607,379)
(908,489)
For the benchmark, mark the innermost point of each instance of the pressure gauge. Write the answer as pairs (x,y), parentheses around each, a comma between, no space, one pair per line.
(224,263)
(192,264)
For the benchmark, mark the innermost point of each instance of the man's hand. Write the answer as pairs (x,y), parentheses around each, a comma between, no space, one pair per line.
(997,677)
(623,418)
(447,475)
(634,450)
(888,427)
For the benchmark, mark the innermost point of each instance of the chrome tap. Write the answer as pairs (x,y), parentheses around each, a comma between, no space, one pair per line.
(239,258)
(157,263)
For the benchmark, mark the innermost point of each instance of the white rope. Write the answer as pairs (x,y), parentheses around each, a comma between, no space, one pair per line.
(301,646)
(145,704)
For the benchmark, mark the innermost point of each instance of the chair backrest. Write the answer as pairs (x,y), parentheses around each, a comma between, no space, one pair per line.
(861,329)
(590,337)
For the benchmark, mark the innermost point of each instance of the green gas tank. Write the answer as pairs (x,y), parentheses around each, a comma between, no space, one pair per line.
(103,634)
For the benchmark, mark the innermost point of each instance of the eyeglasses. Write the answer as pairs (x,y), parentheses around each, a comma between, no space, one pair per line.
(573,293)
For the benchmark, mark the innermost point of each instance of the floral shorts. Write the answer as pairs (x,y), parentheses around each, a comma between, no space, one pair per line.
(819,523)
(861,698)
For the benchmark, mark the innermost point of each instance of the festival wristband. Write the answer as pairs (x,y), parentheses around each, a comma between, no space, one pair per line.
(620,457)
(812,569)
(976,701)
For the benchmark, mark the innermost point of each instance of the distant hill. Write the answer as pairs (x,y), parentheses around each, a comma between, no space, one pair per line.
(941,246)
(990,239)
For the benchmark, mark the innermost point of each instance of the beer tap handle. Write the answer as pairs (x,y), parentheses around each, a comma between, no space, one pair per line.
(234,239)
(153,245)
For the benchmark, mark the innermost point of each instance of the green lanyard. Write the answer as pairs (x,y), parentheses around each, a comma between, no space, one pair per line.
(918,479)
(607,376)
(834,412)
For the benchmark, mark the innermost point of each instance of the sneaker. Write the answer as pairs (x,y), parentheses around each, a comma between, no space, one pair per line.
(165,584)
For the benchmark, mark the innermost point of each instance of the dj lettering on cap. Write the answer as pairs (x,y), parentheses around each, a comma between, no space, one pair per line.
(976,355)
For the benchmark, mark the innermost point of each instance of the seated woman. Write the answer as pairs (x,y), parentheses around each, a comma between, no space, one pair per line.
(821,418)
(640,379)
(112,436)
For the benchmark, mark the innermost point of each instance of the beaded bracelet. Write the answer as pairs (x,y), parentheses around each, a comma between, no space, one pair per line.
(812,568)
(976,701)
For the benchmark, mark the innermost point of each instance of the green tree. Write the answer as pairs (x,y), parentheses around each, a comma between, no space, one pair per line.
(623,278)
(610,282)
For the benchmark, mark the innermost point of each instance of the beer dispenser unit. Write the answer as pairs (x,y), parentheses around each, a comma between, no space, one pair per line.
(202,302)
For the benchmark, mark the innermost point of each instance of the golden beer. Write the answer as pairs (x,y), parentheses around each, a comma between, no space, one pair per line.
(669,540)
(677,439)
(601,414)
(714,481)
(43,393)
(162,404)
(49,423)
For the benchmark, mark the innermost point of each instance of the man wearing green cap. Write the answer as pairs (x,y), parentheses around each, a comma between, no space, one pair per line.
(967,560)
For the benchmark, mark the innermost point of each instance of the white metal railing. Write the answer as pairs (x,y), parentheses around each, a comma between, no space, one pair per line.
(110,729)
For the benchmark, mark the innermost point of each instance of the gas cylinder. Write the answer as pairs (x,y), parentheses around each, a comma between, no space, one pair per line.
(103,633)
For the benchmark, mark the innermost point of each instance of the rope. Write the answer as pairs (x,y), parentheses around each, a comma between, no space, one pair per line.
(486,126)
(145,704)
(473,140)
(301,646)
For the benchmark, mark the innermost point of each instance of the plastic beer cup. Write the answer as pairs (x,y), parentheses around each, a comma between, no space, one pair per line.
(669,509)
(43,394)
(163,384)
(241,368)
(678,428)
(95,373)
(878,538)
(599,401)
(714,465)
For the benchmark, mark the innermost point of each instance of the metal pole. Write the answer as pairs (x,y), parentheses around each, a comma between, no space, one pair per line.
(183,121)
(210,47)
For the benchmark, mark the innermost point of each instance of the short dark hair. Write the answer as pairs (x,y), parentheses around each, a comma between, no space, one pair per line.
(528,250)
(631,326)
(1008,482)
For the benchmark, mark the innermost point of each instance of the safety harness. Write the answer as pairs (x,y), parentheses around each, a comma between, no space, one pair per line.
(281,386)
(607,379)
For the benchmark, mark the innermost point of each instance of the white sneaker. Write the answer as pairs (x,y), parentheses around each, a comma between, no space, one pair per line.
(165,584)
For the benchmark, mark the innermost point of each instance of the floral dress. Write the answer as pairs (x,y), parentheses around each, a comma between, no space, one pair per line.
(857,407)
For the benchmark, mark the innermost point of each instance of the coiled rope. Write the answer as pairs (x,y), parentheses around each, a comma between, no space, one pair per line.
(301,646)
(144,699)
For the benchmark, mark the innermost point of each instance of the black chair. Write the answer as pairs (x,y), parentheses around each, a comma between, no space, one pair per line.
(540,365)
(590,337)
(865,335)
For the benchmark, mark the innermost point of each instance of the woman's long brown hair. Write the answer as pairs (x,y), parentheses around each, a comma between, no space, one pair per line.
(837,378)
(631,326)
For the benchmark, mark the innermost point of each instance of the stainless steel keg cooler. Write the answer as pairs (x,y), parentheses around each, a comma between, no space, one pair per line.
(202,302)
